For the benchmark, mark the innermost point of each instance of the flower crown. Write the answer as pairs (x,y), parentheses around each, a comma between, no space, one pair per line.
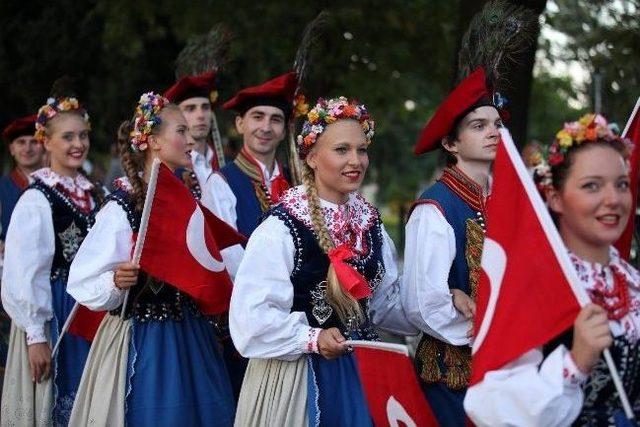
(52,108)
(147,117)
(326,112)
(590,128)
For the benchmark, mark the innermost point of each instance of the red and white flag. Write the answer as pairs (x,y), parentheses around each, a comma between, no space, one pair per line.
(182,245)
(85,323)
(631,131)
(528,292)
(391,386)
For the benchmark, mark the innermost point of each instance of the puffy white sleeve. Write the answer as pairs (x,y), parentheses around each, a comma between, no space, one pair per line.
(261,322)
(29,250)
(108,244)
(219,199)
(528,393)
(430,249)
(385,307)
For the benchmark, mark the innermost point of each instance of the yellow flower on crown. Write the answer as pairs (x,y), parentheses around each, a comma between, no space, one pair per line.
(313,116)
(564,138)
(586,119)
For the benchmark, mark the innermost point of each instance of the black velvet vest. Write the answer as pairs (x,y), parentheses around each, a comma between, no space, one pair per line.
(310,272)
(70,227)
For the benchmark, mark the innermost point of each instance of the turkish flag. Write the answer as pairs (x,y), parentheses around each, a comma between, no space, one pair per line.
(525,294)
(391,386)
(85,322)
(182,245)
(631,131)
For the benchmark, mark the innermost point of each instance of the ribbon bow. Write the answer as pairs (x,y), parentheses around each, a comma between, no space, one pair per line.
(278,186)
(350,279)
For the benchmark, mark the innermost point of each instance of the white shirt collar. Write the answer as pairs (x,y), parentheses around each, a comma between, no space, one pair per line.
(49,177)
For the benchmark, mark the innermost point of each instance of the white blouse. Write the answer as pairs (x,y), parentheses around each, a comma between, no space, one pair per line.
(533,392)
(430,248)
(261,322)
(28,257)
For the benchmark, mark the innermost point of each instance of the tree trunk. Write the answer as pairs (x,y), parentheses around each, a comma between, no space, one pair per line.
(520,77)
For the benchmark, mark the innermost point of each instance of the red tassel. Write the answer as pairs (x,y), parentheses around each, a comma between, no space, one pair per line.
(350,279)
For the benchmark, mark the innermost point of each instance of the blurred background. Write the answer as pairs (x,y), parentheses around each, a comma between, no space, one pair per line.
(399,57)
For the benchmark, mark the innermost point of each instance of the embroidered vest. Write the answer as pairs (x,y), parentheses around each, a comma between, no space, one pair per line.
(150,298)
(310,272)
(461,202)
(70,227)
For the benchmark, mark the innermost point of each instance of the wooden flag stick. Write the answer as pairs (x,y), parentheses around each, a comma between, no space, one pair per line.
(65,328)
(144,222)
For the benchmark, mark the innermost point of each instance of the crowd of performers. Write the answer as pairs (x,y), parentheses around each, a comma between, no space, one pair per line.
(281,358)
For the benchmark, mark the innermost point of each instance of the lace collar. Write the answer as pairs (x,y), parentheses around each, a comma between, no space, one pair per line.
(72,185)
(347,223)
(599,278)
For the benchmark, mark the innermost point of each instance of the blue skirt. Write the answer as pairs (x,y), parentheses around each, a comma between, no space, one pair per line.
(176,375)
(335,396)
(71,357)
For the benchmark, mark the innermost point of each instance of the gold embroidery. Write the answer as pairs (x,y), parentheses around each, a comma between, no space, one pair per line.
(473,254)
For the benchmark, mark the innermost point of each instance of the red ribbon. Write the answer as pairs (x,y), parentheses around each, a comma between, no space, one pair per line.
(278,186)
(350,279)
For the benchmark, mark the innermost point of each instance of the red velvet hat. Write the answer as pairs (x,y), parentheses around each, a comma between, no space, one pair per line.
(20,127)
(277,92)
(465,96)
(202,85)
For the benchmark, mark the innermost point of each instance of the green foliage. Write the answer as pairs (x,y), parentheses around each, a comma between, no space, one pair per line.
(604,35)
(550,107)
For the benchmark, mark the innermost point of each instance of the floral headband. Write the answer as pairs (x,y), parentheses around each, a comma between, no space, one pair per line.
(147,117)
(52,108)
(590,128)
(326,112)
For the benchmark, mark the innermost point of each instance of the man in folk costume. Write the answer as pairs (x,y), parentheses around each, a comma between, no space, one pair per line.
(28,156)
(247,187)
(445,229)
(196,96)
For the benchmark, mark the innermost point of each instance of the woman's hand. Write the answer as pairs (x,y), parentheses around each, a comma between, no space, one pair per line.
(39,361)
(463,303)
(591,335)
(126,275)
(331,343)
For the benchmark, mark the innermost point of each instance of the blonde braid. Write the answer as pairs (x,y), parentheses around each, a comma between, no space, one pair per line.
(132,164)
(346,306)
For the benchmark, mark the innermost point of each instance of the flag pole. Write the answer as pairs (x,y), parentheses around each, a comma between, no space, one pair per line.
(561,254)
(144,222)
(630,121)
(217,139)
(65,328)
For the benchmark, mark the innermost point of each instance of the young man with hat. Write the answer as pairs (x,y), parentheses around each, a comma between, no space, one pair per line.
(28,156)
(244,189)
(247,187)
(196,95)
(444,237)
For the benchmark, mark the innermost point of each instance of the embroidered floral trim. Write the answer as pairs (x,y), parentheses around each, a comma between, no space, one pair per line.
(312,342)
(346,223)
(49,177)
(123,184)
(600,279)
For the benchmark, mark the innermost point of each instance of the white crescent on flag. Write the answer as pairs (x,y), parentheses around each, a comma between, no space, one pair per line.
(494,264)
(396,414)
(196,244)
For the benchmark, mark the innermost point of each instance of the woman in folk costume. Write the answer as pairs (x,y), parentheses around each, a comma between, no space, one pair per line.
(48,224)
(27,155)
(585,179)
(320,269)
(161,365)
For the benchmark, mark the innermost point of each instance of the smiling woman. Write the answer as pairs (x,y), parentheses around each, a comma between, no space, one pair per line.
(585,179)
(47,227)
